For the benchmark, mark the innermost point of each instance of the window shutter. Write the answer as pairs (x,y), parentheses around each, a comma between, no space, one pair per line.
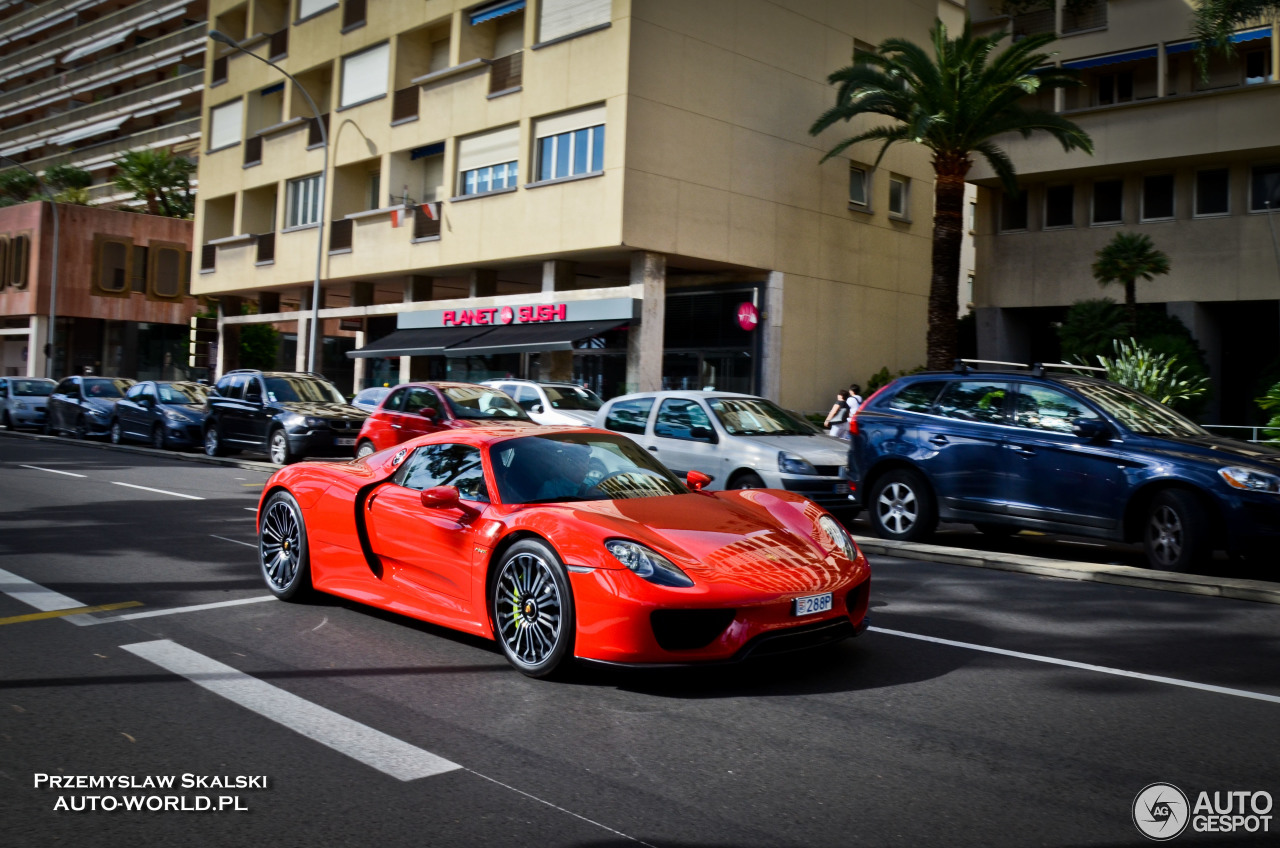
(569,121)
(364,75)
(565,17)
(113,269)
(491,148)
(166,272)
(224,124)
(307,8)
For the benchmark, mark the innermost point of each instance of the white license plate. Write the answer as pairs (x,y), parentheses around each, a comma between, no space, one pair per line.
(344,443)
(812,604)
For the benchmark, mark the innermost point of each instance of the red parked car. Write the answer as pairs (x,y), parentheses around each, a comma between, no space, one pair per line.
(416,409)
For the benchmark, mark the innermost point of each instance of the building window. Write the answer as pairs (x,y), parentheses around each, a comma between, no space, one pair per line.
(859,185)
(1108,202)
(571,145)
(138,280)
(1264,188)
(1013,212)
(224,124)
(1257,67)
(559,18)
(364,75)
(489,162)
(1059,206)
(353,14)
(1157,197)
(307,8)
(898,199)
(1213,192)
(1115,88)
(303,201)
(114,266)
(16,261)
(165,271)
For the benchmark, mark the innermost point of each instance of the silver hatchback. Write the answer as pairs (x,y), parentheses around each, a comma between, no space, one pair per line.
(740,441)
(23,401)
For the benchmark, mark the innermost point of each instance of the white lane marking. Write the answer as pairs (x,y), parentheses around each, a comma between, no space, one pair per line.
(236,541)
(1119,672)
(35,595)
(52,470)
(257,599)
(374,748)
(1086,544)
(160,491)
(251,508)
(555,807)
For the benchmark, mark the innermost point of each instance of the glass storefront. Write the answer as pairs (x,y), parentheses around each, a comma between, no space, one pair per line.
(704,346)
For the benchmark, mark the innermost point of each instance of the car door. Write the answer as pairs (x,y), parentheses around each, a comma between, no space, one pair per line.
(231,409)
(130,409)
(63,404)
(684,439)
(960,446)
(383,425)
(257,411)
(423,413)
(423,549)
(630,417)
(1054,475)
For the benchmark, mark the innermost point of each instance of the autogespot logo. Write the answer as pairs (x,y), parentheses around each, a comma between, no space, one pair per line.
(1160,811)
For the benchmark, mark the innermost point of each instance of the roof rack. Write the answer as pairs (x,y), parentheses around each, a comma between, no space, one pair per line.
(962,365)
(1038,369)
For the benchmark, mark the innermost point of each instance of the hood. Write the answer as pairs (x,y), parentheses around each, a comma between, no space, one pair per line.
(576,417)
(32,401)
(332,411)
(1217,450)
(185,411)
(723,539)
(818,450)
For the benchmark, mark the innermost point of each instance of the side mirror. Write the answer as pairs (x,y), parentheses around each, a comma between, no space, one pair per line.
(429,414)
(536,409)
(697,480)
(1088,428)
(703,434)
(440,497)
(253,397)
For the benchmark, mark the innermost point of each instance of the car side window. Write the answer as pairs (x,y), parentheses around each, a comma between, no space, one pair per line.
(629,416)
(223,386)
(68,387)
(134,391)
(445,465)
(974,400)
(682,419)
(393,401)
(4,388)
(527,397)
(1043,408)
(418,401)
(917,397)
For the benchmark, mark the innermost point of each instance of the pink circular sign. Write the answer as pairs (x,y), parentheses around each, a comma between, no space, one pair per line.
(507,315)
(748,316)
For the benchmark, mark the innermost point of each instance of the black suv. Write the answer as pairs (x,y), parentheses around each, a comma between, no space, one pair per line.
(287,415)
(1059,453)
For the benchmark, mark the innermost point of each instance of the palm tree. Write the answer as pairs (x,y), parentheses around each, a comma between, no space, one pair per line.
(158,178)
(1124,259)
(1216,19)
(954,102)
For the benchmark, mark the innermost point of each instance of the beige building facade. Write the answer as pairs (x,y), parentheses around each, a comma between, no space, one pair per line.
(619,192)
(1192,162)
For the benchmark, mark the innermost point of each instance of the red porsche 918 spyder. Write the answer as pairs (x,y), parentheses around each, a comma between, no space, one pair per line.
(564,543)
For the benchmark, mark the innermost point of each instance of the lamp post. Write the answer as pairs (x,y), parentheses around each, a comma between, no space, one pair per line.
(53,270)
(313,340)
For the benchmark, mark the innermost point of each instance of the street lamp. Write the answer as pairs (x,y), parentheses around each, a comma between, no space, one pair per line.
(313,342)
(53,270)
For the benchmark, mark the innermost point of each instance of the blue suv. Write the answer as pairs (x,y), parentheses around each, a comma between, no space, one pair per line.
(1058,453)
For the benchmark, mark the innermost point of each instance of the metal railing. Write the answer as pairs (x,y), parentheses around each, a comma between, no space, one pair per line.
(425,226)
(404,103)
(208,257)
(314,134)
(279,46)
(1245,432)
(505,73)
(168,134)
(1093,16)
(253,150)
(266,248)
(1033,23)
(341,232)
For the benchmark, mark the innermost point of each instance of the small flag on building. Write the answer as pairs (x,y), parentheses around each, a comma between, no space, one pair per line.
(431,211)
(397,216)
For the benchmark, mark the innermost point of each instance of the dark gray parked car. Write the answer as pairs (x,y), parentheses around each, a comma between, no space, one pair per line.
(166,414)
(83,406)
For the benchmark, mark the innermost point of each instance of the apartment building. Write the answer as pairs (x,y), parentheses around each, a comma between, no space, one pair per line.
(1191,160)
(619,192)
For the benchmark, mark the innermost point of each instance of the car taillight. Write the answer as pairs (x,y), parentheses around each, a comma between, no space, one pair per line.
(853,419)
(853,425)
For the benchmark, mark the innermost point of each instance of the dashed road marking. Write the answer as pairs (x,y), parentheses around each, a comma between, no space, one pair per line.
(233,541)
(53,470)
(35,595)
(256,599)
(158,491)
(62,613)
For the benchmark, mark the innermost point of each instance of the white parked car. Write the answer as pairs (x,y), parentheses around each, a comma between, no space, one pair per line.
(740,441)
(552,403)
(23,401)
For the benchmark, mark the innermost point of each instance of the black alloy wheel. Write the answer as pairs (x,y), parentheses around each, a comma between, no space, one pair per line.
(283,555)
(278,447)
(81,430)
(532,608)
(117,432)
(902,507)
(1176,534)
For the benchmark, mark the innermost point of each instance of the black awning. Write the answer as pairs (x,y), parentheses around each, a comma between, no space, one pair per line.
(426,341)
(530,338)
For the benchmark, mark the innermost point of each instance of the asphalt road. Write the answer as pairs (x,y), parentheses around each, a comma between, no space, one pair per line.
(983,708)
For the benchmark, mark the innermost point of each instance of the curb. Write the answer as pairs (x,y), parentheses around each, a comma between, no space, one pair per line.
(247,464)
(1119,575)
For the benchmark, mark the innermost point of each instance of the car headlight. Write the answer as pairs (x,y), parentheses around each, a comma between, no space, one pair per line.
(20,405)
(789,463)
(98,413)
(648,563)
(314,422)
(838,535)
(174,416)
(1248,478)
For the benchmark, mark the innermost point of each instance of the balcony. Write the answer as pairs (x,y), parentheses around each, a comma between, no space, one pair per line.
(266,249)
(425,226)
(1083,16)
(505,74)
(404,104)
(340,234)
(208,257)
(279,46)
(112,149)
(253,151)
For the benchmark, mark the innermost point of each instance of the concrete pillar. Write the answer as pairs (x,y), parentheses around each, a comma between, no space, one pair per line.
(304,311)
(1001,335)
(37,337)
(268,302)
(558,275)
(484,282)
(417,289)
(771,345)
(406,369)
(1208,334)
(645,345)
(228,336)
(358,364)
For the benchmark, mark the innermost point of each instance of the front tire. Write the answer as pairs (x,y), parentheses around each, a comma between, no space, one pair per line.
(278,447)
(532,608)
(365,448)
(746,480)
(159,439)
(902,507)
(213,441)
(117,432)
(8,421)
(284,557)
(1176,532)
(81,431)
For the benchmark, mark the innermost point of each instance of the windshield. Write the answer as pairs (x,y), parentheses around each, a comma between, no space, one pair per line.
(755,417)
(104,388)
(483,402)
(32,388)
(309,389)
(1136,411)
(190,393)
(578,467)
(572,397)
